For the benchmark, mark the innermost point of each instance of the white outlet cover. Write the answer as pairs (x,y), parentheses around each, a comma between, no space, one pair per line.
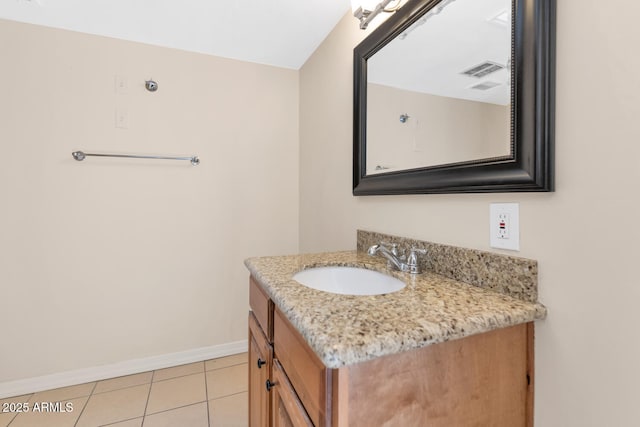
(512,212)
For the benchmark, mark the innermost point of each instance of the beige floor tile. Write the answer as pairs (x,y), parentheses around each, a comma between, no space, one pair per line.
(176,392)
(227,381)
(137,422)
(223,362)
(230,411)
(66,417)
(114,406)
(178,371)
(64,393)
(123,382)
(192,416)
(6,418)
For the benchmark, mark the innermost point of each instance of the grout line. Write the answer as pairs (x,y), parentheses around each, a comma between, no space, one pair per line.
(146,405)
(16,415)
(118,422)
(230,395)
(178,366)
(180,376)
(118,389)
(206,395)
(228,366)
(177,407)
(95,384)
(122,388)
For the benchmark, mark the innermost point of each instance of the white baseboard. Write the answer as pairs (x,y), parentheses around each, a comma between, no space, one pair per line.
(128,367)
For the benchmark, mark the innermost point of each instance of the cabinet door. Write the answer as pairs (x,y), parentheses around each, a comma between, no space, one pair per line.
(259,370)
(287,408)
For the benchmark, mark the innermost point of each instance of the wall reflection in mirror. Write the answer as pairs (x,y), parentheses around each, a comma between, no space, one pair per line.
(440,92)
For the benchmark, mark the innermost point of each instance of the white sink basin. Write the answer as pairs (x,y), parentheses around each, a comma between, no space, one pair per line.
(348,281)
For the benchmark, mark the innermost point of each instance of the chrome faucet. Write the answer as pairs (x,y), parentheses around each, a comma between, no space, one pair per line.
(394,260)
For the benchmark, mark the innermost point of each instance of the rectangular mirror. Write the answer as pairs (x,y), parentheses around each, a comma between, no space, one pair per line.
(456,96)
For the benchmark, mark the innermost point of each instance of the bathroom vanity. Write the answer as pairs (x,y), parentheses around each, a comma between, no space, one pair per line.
(439,352)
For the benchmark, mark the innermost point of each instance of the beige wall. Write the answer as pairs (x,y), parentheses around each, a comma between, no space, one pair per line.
(111,260)
(108,260)
(439,130)
(585,235)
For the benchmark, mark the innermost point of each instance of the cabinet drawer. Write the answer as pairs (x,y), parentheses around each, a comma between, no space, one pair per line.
(261,306)
(306,372)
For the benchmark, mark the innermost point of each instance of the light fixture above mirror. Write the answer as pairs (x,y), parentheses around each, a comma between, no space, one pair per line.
(367,10)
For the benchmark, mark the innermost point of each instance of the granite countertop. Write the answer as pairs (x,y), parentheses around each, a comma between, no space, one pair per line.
(344,329)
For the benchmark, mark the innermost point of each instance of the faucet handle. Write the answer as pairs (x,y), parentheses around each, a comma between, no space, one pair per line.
(412,260)
(392,246)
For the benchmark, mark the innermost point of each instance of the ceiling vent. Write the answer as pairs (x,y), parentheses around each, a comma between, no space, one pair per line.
(485,85)
(502,19)
(483,69)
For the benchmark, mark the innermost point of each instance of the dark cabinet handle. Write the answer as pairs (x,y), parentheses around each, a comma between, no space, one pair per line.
(269,385)
(261,362)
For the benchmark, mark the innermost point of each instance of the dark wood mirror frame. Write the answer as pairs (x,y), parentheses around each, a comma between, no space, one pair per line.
(530,167)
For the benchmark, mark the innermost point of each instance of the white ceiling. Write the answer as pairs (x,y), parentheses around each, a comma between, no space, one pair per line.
(283,33)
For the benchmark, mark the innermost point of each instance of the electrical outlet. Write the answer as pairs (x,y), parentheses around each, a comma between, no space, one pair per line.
(504,226)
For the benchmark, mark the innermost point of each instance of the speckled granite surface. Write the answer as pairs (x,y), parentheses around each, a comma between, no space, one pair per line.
(517,277)
(345,329)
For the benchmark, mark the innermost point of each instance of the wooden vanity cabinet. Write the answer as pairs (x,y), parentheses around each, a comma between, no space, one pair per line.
(273,400)
(481,380)
(260,356)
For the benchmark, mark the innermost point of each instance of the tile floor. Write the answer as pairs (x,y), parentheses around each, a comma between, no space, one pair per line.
(207,394)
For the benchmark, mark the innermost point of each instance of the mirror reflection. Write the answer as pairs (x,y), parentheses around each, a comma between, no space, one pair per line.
(440,92)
